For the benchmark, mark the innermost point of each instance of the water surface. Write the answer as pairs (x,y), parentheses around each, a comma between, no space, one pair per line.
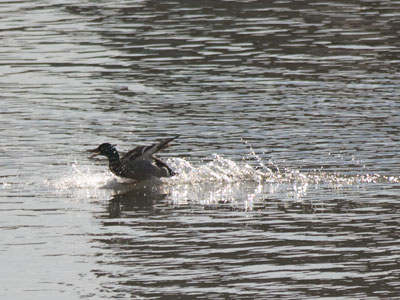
(288,116)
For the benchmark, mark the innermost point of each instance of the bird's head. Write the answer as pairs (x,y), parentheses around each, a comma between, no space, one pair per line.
(104,149)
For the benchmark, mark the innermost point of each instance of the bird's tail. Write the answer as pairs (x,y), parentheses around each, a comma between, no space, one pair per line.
(150,150)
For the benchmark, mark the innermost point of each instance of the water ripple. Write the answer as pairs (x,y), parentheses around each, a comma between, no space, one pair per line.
(287,160)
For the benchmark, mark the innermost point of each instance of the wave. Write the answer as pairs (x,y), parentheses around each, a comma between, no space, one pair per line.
(217,171)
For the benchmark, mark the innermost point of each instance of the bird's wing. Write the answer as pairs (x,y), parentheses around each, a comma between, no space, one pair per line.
(146,152)
(133,154)
(163,165)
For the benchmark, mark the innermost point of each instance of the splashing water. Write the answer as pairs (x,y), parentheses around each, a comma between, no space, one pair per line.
(219,170)
(83,177)
(218,181)
(223,170)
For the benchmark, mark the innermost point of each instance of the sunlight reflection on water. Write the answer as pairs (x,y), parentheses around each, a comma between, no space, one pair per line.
(287,160)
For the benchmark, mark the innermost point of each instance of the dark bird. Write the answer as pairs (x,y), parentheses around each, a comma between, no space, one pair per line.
(139,163)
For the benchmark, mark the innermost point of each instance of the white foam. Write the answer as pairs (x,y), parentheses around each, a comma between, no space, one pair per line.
(218,170)
(83,177)
(216,181)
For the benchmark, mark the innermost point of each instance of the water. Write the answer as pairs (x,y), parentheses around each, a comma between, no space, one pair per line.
(289,173)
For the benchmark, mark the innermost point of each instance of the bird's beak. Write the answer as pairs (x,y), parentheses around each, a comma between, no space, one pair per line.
(94,151)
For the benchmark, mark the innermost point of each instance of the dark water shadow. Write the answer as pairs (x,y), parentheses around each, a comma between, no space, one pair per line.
(135,197)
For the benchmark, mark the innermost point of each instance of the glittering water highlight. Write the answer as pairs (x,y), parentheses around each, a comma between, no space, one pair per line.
(240,185)
(288,116)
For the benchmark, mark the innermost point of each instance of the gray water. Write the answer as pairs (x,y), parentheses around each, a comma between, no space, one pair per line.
(289,173)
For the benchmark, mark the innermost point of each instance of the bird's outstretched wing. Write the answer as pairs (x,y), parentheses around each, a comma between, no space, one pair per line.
(163,165)
(146,152)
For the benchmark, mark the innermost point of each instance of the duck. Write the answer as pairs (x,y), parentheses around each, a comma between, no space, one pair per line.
(139,163)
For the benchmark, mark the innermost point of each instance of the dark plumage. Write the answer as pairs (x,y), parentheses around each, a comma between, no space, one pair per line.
(139,163)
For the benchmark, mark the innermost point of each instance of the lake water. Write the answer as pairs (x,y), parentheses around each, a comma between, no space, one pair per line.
(289,177)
